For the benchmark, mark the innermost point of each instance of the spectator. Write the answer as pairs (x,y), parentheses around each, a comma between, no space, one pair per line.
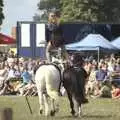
(4,84)
(3,72)
(115,91)
(112,57)
(11,73)
(111,65)
(105,90)
(87,67)
(21,66)
(26,79)
(90,87)
(29,89)
(116,72)
(26,76)
(10,61)
(101,75)
(3,75)
(117,65)
(17,71)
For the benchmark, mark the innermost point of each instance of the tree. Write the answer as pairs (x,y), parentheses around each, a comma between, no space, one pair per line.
(36,17)
(1,11)
(49,5)
(45,6)
(90,10)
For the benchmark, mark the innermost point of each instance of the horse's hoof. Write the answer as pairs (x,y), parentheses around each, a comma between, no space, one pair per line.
(57,110)
(52,113)
(75,115)
(80,116)
(47,115)
(41,111)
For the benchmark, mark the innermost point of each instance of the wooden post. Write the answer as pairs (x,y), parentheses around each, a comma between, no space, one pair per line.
(6,114)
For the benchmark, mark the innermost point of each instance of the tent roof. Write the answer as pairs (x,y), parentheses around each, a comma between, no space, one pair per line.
(4,39)
(116,42)
(92,41)
(82,48)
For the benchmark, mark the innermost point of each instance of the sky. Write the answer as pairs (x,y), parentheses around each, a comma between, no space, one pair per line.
(17,10)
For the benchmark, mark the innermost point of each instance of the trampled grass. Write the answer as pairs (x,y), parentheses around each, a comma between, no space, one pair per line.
(96,109)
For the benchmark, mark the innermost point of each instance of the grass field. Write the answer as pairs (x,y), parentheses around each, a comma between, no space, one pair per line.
(96,109)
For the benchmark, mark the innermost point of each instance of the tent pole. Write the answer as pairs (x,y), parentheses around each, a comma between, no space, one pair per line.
(98,55)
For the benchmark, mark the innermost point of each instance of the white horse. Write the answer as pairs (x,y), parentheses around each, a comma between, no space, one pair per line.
(47,80)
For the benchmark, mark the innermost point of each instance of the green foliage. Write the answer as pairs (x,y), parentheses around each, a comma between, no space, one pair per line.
(49,5)
(1,11)
(45,6)
(82,10)
(36,18)
(90,10)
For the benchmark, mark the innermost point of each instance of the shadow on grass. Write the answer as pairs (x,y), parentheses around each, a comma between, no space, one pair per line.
(85,117)
(97,116)
(70,117)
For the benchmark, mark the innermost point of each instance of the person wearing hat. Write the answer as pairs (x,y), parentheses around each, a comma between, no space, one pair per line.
(77,63)
(54,36)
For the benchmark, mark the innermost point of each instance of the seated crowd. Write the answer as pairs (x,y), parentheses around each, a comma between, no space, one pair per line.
(102,75)
(17,76)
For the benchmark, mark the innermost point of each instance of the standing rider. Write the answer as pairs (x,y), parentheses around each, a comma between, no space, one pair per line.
(54,37)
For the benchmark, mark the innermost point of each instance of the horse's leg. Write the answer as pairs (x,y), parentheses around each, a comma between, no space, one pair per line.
(54,101)
(71,103)
(52,113)
(45,96)
(80,111)
(40,95)
(54,95)
(52,80)
(77,106)
(41,101)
